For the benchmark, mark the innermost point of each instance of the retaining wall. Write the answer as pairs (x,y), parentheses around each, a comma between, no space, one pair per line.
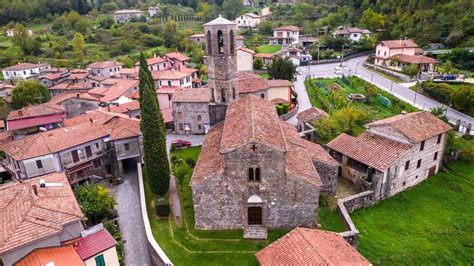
(348,205)
(157,255)
(391,73)
(290,114)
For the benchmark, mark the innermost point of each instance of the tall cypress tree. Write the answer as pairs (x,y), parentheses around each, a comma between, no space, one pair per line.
(153,131)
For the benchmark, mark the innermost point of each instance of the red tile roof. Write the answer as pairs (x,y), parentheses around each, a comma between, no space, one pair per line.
(24,66)
(244,49)
(373,150)
(400,44)
(124,107)
(104,64)
(197,95)
(249,83)
(94,244)
(264,55)
(178,56)
(417,126)
(26,217)
(287,28)
(311,114)
(169,74)
(167,89)
(304,246)
(62,255)
(35,111)
(414,59)
(58,99)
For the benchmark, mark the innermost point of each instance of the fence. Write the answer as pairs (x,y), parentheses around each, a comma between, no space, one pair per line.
(157,255)
(391,73)
(336,60)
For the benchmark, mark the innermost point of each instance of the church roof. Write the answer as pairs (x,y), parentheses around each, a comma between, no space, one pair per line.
(219,21)
(257,121)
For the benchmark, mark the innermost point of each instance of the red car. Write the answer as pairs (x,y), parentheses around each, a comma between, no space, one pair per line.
(180,144)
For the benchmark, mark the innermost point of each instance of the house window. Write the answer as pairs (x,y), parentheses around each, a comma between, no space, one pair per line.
(439,138)
(169,97)
(199,118)
(180,115)
(257,174)
(407,165)
(169,83)
(126,146)
(181,127)
(233,93)
(262,95)
(435,156)
(97,145)
(251,174)
(384,53)
(97,163)
(75,156)
(223,95)
(418,164)
(99,260)
(422,145)
(39,164)
(199,127)
(404,183)
(88,151)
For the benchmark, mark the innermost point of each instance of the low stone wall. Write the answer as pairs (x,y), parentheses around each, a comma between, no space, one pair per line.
(290,114)
(157,255)
(337,60)
(346,206)
(389,72)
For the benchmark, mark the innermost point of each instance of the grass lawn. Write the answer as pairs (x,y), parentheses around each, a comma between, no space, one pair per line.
(432,223)
(320,97)
(185,245)
(268,49)
(264,75)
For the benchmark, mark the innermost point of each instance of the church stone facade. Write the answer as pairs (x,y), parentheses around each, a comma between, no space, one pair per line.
(255,172)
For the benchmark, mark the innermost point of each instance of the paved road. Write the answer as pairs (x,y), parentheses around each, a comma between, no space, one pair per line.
(196,140)
(354,66)
(131,222)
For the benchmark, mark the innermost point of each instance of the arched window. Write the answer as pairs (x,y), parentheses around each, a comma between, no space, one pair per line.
(212,95)
(220,42)
(257,174)
(251,175)
(232,42)
(233,93)
(209,44)
(223,95)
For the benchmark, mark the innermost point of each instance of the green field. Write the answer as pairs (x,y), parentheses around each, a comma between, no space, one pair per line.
(432,223)
(268,49)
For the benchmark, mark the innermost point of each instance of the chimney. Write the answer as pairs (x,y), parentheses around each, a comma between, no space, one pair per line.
(404,112)
(35,190)
(90,120)
(20,112)
(129,112)
(108,107)
(77,95)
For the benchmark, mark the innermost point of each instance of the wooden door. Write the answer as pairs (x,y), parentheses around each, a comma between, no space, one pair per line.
(255,215)
(432,171)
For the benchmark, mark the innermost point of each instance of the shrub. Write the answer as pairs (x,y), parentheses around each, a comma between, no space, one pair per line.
(279,110)
(95,202)
(258,63)
(286,108)
(190,162)
(410,70)
(463,99)
(162,206)
(438,91)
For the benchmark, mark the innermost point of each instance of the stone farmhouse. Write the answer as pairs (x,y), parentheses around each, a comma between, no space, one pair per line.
(304,246)
(286,35)
(96,144)
(34,216)
(255,172)
(127,15)
(396,54)
(353,34)
(24,71)
(393,154)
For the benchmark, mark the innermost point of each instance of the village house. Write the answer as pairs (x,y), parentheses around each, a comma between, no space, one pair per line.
(165,96)
(11,32)
(248,21)
(129,73)
(352,33)
(197,38)
(75,103)
(393,154)
(306,120)
(127,15)
(303,246)
(24,71)
(395,54)
(191,111)
(286,35)
(245,59)
(261,176)
(52,79)
(34,118)
(6,91)
(266,58)
(96,246)
(153,11)
(105,69)
(173,78)
(95,144)
(155,63)
(270,90)
(115,90)
(37,214)
(176,60)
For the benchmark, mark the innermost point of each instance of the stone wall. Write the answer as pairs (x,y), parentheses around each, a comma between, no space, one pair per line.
(216,113)
(328,175)
(290,114)
(195,115)
(157,255)
(348,205)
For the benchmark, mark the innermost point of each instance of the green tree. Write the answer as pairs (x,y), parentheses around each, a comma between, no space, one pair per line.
(410,70)
(258,63)
(207,11)
(22,39)
(463,99)
(371,20)
(170,33)
(282,68)
(78,45)
(153,130)
(95,201)
(181,170)
(231,8)
(325,129)
(29,92)
(349,118)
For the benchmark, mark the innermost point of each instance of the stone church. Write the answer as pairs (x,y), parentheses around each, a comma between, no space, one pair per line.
(255,172)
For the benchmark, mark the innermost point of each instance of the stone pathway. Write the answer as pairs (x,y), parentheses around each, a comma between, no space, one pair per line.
(174,197)
(131,222)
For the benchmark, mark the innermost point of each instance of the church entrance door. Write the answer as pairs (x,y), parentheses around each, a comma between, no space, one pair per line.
(255,215)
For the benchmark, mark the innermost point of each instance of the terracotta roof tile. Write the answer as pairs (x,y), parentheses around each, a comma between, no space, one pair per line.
(34,111)
(56,100)
(248,83)
(104,64)
(94,244)
(264,55)
(245,49)
(192,95)
(286,28)
(310,247)
(169,74)
(417,126)
(311,114)
(370,149)
(408,43)
(414,59)
(24,66)
(177,55)
(63,255)
(26,217)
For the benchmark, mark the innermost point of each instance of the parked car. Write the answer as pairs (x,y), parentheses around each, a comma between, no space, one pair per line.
(448,77)
(180,144)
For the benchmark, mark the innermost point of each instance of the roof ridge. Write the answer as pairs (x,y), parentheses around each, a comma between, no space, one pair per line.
(300,231)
